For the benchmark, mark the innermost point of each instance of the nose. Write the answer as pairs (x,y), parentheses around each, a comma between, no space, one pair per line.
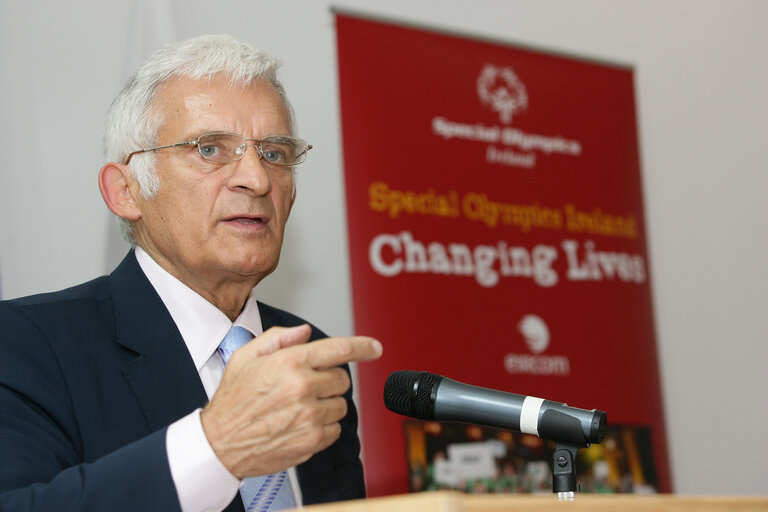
(250,172)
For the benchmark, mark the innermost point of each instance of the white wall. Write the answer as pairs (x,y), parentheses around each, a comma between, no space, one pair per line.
(701,79)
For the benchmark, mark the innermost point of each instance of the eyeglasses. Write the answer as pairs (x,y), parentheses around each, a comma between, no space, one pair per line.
(222,148)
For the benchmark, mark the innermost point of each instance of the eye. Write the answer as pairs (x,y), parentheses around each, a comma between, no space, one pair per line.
(221,147)
(276,153)
(209,150)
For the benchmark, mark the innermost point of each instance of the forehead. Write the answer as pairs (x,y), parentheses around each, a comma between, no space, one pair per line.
(191,106)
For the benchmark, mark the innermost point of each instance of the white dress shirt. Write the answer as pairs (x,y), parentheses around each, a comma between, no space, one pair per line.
(202,482)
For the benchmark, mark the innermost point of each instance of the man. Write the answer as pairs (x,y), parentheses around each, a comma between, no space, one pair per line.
(116,394)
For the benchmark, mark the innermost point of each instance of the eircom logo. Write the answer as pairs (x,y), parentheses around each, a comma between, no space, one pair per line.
(536,336)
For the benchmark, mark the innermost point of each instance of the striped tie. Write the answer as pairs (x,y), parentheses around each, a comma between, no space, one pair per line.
(262,493)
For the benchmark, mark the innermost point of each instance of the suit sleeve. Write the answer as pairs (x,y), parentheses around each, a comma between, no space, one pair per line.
(42,465)
(349,466)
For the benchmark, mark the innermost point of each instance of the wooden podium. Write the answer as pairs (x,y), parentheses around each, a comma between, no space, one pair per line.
(449,501)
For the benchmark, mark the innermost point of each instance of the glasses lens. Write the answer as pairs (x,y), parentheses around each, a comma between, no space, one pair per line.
(283,150)
(221,147)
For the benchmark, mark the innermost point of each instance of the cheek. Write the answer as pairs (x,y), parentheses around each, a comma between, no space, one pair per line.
(284,201)
(184,208)
(196,198)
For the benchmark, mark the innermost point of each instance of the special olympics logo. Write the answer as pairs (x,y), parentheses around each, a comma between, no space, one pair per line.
(502,90)
(535,332)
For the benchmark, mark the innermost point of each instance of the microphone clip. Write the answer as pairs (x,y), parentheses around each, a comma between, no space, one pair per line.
(564,470)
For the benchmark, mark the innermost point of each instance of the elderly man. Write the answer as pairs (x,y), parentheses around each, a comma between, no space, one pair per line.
(120,394)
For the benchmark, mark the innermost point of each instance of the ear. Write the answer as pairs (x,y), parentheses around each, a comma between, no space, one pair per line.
(115,182)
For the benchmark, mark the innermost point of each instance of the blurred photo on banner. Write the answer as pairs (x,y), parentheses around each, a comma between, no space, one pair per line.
(497,237)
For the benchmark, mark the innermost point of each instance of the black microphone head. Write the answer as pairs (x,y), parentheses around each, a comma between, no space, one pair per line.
(411,393)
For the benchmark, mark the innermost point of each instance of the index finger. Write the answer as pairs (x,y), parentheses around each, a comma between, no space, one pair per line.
(277,338)
(330,352)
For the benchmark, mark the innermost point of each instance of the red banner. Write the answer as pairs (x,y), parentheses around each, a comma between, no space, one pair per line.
(497,237)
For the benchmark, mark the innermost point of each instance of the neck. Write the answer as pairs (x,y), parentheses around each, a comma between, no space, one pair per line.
(229,302)
(228,294)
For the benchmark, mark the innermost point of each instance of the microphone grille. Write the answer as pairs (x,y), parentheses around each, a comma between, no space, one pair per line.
(409,393)
(398,391)
(425,403)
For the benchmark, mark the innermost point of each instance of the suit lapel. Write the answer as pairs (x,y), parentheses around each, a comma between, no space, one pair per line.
(318,482)
(163,375)
(164,378)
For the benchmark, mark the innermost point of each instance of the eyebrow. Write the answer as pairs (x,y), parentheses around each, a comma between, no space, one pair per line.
(199,133)
(193,136)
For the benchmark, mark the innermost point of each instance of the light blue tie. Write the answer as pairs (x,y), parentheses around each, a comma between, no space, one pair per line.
(261,493)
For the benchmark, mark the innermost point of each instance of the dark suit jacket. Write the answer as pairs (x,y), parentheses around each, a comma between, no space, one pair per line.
(90,378)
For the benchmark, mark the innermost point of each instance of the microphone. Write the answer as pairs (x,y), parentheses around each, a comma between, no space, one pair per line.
(426,396)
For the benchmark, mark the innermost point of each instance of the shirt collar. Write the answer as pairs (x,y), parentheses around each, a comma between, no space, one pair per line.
(200,323)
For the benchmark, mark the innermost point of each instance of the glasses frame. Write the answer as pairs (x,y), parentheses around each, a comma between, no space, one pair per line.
(257,146)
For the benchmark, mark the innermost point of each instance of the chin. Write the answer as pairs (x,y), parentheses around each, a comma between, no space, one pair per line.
(248,267)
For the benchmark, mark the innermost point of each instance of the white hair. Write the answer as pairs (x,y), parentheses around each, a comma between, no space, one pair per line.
(132,123)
